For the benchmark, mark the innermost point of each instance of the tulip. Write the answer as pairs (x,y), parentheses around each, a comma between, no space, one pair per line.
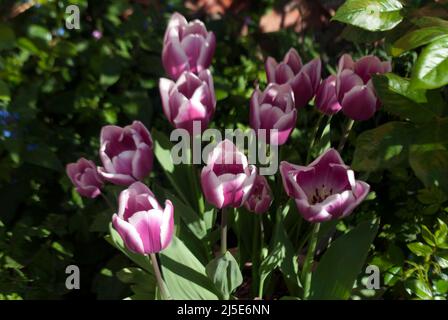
(142,223)
(304,80)
(85,178)
(227,179)
(273,109)
(187,46)
(190,98)
(260,198)
(354,87)
(324,190)
(126,153)
(326,100)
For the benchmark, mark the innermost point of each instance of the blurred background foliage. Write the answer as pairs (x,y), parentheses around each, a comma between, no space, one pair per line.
(58,87)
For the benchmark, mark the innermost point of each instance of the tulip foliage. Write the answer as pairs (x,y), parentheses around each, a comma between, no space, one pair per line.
(356,134)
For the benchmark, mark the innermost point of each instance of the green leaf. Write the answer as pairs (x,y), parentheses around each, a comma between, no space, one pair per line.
(184,275)
(7,37)
(419,288)
(283,256)
(187,214)
(441,235)
(176,174)
(428,236)
(428,21)
(442,259)
(383,147)
(431,69)
(143,284)
(342,262)
(430,165)
(398,100)
(372,15)
(225,273)
(420,249)
(418,38)
(5,94)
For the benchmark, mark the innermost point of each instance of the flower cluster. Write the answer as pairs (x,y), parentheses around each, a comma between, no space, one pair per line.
(323,190)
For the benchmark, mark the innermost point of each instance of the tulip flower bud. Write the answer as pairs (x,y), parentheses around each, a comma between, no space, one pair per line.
(304,80)
(126,153)
(227,179)
(274,109)
(354,88)
(85,178)
(190,98)
(260,198)
(142,223)
(324,190)
(187,46)
(326,100)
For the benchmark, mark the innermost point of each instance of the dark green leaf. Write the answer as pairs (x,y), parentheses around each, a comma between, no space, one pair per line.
(383,147)
(225,273)
(342,262)
(184,275)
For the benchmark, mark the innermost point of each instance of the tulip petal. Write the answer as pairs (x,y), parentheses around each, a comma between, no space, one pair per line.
(359,103)
(129,234)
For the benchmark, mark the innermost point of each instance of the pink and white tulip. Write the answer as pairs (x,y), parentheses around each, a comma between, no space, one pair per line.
(126,153)
(85,178)
(354,87)
(227,179)
(324,190)
(142,223)
(260,198)
(326,100)
(303,79)
(187,46)
(190,98)
(274,109)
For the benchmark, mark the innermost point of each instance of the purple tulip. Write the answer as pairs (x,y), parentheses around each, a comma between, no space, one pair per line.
(190,98)
(85,178)
(187,46)
(326,189)
(273,109)
(260,198)
(126,153)
(354,87)
(304,80)
(227,179)
(142,223)
(326,100)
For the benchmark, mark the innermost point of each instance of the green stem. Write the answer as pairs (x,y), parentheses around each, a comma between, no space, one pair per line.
(106,199)
(345,134)
(255,253)
(223,231)
(306,273)
(313,137)
(260,252)
(158,276)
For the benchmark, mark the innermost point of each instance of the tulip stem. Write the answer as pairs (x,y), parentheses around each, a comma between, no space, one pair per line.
(158,276)
(223,231)
(345,134)
(313,137)
(109,204)
(307,266)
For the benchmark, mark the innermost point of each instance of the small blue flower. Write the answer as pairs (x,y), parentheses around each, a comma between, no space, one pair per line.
(60,32)
(7,133)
